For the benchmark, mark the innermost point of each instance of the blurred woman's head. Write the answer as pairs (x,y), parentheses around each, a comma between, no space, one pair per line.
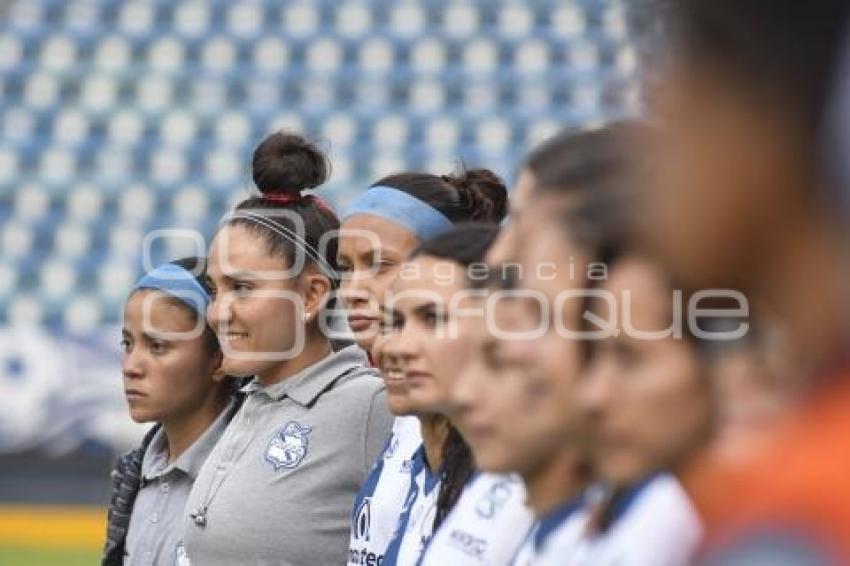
(271,265)
(523,356)
(171,361)
(395,215)
(739,112)
(645,393)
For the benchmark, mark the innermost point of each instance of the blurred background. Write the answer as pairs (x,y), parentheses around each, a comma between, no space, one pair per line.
(120,119)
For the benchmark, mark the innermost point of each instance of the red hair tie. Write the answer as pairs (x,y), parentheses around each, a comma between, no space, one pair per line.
(282,198)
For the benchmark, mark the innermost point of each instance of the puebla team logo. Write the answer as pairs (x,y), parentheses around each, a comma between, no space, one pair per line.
(288,446)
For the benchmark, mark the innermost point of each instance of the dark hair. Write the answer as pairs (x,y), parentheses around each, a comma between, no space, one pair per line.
(458,467)
(284,165)
(784,50)
(470,195)
(467,243)
(586,161)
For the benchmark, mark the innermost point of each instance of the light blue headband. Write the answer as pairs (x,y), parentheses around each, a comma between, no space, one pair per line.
(179,283)
(397,206)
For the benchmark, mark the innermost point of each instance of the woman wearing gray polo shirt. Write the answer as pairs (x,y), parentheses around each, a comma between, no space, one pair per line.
(277,489)
(172,376)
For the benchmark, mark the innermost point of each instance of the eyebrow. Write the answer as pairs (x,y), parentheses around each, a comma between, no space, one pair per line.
(239,275)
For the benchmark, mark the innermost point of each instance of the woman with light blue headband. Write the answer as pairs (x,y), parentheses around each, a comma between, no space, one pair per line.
(378,232)
(172,377)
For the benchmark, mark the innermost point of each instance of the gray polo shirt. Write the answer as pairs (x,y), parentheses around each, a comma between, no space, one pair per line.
(155,534)
(278,488)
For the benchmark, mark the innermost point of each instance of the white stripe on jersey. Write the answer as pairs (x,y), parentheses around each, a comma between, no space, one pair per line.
(416,523)
(486,526)
(659,527)
(380,500)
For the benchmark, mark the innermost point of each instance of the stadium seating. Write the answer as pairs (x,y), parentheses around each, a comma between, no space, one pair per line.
(124,117)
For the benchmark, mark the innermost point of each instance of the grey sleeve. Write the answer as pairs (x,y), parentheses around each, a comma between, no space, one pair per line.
(379,423)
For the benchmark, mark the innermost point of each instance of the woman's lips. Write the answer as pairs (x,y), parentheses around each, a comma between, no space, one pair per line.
(133,394)
(359,323)
(395,380)
(416,376)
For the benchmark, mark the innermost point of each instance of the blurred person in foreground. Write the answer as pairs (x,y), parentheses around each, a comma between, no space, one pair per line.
(743,201)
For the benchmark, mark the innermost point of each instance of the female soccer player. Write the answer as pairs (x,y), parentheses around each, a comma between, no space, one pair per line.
(380,230)
(427,315)
(517,396)
(491,518)
(172,377)
(643,377)
(277,488)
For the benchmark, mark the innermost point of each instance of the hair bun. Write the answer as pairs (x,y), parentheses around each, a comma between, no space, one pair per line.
(483,194)
(287,163)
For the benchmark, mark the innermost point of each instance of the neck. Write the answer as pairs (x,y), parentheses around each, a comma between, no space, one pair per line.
(806,285)
(555,482)
(315,350)
(182,432)
(435,431)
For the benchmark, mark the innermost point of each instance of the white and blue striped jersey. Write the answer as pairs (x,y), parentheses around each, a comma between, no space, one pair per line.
(654,524)
(554,537)
(486,526)
(380,501)
(416,523)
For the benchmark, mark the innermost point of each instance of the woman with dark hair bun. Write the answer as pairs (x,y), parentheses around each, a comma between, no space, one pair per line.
(381,228)
(277,489)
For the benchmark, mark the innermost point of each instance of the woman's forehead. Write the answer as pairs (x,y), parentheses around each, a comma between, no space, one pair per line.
(238,249)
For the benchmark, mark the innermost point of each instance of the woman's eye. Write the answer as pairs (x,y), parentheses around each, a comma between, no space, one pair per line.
(158,346)
(125,345)
(241,288)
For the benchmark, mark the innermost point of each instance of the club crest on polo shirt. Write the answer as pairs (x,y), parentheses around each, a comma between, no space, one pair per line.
(288,446)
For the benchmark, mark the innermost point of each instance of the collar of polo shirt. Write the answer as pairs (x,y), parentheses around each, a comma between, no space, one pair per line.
(305,386)
(155,462)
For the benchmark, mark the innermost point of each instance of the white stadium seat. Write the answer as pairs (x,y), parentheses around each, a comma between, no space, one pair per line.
(428,56)
(82,315)
(191,19)
(166,54)
(11,52)
(31,203)
(112,53)
(58,53)
(17,240)
(245,19)
(136,17)
(460,20)
(84,203)
(300,19)
(352,19)
(99,93)
(71,127)
(72,240)
(271,54)
(218,54)
(57,279)
(177,129)
(137,203)
(407,19)
(25,310)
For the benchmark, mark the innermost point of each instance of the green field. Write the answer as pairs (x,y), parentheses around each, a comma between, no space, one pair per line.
(35,557)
